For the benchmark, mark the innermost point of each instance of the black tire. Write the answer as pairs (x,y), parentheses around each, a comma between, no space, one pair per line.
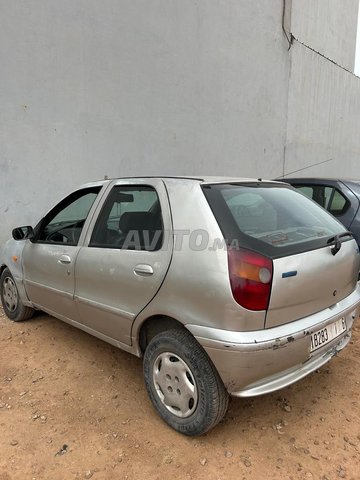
(177,350)
(13,307)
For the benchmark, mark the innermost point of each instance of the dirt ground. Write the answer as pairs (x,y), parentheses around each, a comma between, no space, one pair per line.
(73,407)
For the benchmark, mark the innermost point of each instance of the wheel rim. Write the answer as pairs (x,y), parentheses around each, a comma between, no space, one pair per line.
(175,384)
(10,294)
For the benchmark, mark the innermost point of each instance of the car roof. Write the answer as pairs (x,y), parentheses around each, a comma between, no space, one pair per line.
(318,179)
(200,179)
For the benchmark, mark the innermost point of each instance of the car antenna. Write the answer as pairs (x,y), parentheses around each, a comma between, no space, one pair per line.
(305,168)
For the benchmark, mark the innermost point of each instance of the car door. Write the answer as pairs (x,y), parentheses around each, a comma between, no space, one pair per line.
(125,258)
(49,258)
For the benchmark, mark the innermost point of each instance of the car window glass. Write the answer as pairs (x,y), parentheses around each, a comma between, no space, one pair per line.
(275,221)
(306,190)
(338,204)
(130,219)
(321,194)
(252,212)
(65,222)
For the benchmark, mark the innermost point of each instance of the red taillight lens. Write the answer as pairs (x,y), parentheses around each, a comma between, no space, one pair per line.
(250,278)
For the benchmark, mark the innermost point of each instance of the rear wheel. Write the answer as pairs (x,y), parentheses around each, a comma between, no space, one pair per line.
(10,299)
(183,384)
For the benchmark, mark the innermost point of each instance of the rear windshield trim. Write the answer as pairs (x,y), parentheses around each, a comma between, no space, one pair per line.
(232,233)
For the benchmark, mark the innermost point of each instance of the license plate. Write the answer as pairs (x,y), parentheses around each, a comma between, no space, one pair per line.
(325,335)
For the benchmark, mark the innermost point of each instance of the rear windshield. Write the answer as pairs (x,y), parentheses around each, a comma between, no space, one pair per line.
(273,219)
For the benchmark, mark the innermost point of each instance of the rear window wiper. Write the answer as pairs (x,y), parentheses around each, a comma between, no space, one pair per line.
(336,240)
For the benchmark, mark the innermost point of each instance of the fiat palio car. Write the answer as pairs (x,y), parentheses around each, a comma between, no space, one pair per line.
(224,286)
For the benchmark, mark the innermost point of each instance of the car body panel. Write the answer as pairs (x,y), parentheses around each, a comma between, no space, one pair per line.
(197,288)
(254,363)
(318,279)
(123,294)
(48,280)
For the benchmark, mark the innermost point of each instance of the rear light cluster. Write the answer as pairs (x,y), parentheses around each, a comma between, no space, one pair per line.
(250,278)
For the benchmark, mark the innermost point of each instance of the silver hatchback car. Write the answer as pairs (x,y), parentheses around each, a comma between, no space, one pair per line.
(224,286)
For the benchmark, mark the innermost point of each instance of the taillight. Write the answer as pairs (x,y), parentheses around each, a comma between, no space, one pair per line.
(250,278)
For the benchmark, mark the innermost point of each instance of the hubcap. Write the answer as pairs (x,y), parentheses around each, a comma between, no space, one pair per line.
(10,294)
(175,384)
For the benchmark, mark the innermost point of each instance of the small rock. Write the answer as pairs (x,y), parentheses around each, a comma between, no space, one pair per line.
(316,442)
(88,474)
(341,472)
(287,408)
(246,461)
(14,443)
(167,459)
(2,405)
(22,394)
(203,461)
(228,454)
(62,450)
(43,418)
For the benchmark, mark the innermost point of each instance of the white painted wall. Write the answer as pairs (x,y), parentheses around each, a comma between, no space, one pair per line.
(124,87)
(323,117)
(357,54)
(328,26)
(136,87)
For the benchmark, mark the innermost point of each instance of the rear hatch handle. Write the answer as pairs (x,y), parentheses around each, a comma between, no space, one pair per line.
(337,241)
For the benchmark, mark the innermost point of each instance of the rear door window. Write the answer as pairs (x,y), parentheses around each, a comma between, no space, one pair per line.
(273,220)
(130,219)
(326,196)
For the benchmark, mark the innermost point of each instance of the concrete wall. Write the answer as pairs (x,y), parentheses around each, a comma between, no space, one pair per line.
(124,87)
(328,26)
(323,117)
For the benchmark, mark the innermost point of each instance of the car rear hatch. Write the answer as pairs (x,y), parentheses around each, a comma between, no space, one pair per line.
(311,281)
(314,263)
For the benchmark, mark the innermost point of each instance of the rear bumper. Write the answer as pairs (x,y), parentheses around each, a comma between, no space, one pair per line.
(259,362)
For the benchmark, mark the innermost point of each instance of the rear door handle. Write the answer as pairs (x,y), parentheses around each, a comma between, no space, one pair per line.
(143,270)
(64,259)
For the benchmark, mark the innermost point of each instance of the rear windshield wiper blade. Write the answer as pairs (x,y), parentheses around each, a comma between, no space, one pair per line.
(336,240)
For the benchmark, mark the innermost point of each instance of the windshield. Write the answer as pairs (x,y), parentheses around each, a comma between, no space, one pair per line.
(274,220)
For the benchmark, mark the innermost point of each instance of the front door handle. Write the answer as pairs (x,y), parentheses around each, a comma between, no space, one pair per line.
(64,259)
(143,270)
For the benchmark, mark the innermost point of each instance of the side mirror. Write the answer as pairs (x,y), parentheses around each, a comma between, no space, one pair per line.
(22,233)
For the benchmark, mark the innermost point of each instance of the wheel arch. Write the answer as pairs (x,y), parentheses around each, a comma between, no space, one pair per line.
(153,325)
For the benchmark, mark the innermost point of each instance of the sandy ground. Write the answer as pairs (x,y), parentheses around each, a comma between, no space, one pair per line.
(73,407)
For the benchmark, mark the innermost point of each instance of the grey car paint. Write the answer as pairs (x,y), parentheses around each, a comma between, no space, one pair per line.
(192,287)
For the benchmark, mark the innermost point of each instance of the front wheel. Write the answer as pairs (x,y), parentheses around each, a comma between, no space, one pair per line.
(10,299)
(183,384)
